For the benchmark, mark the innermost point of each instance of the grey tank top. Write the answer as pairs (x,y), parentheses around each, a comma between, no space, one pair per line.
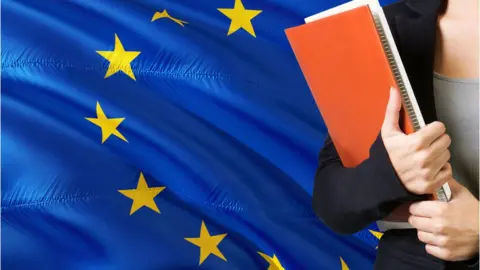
(457,106)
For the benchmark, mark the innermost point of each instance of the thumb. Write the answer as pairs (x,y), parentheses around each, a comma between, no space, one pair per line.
(392,114)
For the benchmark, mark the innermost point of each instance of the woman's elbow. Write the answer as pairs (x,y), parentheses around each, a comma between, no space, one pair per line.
(335,220)
(336,214)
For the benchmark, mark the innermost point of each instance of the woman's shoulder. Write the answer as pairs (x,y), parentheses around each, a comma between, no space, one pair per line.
(399,6)
(412,8)
(396,9)
(404,9)
(413,18)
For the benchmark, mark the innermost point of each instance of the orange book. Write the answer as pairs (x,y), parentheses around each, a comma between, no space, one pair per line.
(350,62)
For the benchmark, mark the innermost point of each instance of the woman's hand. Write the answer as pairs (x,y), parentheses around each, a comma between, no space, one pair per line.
(450,230)
(420,159)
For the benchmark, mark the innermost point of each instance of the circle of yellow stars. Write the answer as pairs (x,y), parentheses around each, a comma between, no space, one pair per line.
(120,60)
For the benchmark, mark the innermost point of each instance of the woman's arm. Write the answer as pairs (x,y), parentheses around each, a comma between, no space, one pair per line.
(349,199)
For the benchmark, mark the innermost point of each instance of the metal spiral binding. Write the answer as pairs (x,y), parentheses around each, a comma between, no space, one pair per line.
(440,192)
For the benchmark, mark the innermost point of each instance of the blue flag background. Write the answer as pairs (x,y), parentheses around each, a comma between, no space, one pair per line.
(133,139)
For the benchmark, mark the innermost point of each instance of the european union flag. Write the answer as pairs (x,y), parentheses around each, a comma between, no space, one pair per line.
(161,135)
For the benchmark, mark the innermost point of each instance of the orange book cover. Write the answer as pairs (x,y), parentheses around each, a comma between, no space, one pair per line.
(348,73)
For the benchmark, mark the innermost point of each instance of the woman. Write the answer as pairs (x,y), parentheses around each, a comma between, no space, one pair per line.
(438,43)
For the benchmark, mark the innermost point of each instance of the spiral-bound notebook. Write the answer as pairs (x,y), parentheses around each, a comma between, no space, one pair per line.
(350,61)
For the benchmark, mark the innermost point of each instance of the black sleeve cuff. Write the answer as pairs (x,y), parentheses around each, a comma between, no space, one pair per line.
(385,181)
(349,199)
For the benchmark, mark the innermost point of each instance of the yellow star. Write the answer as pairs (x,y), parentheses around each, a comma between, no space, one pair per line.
(108,125)
(164,14)
(344,265)
(274,263)
(120,60)
(378,235)
(241,17)
(143,195)
(208,243)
